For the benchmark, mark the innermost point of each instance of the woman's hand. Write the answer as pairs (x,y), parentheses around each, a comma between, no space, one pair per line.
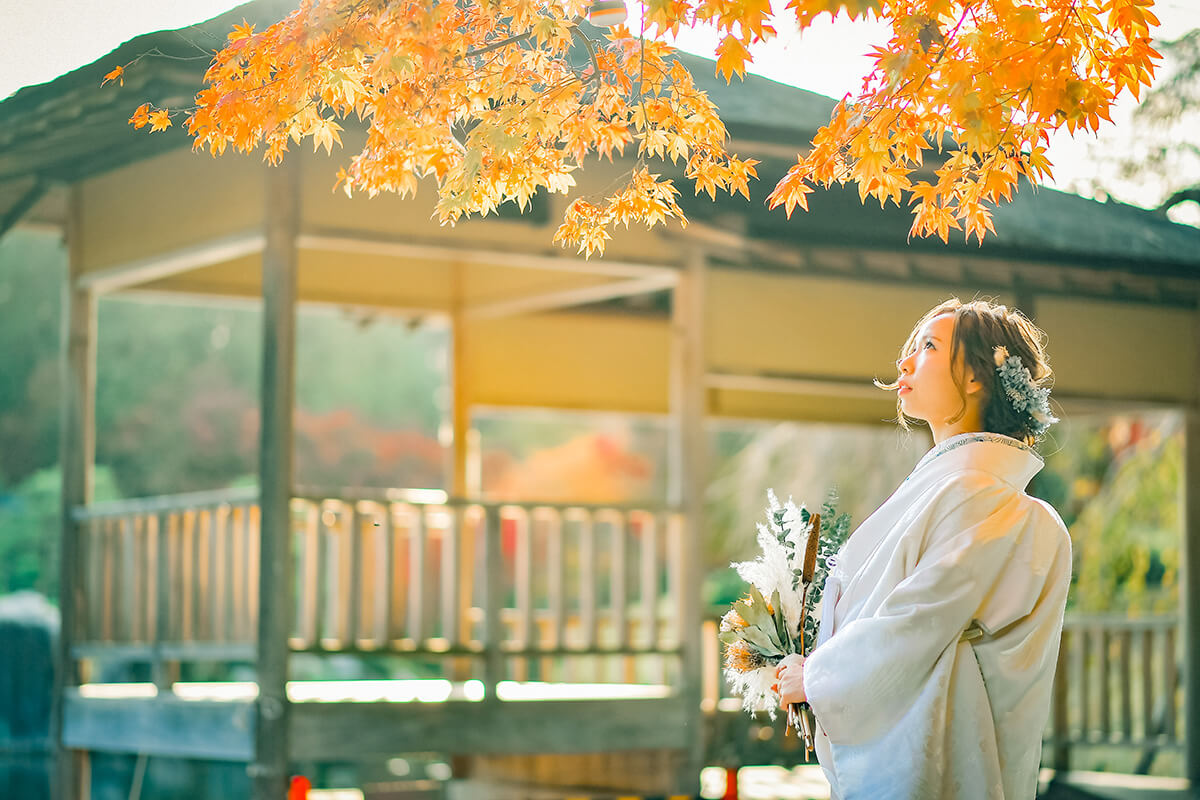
(790,676)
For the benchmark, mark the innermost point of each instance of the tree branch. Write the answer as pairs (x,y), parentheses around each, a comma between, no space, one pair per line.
(1182,196)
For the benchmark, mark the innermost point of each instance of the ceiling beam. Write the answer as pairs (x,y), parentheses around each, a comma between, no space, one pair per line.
(567,298)
(174,262)
(358,242)
(862,388)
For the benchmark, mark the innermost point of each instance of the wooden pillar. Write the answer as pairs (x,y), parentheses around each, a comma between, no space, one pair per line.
(1190,594)
(269,772)
(77,447)
(461,483)
(462,487)
(688,477)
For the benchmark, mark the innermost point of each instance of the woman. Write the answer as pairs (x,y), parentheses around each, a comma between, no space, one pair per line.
(941,618)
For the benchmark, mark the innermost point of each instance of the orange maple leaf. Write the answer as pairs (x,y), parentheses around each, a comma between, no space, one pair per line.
(159,120)
(118,74)
(731,57)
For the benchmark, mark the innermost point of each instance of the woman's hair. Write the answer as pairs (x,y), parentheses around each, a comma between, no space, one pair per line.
(979,326)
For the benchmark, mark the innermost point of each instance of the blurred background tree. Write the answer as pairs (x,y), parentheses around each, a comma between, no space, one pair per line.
(1167,147)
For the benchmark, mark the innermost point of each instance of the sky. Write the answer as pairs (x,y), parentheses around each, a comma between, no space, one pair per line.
(42,39)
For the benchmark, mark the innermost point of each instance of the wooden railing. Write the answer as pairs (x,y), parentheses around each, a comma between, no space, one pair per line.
(1117,682)
(176,578)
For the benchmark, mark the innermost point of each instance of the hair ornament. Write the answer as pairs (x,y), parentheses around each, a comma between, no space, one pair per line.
(1024,395)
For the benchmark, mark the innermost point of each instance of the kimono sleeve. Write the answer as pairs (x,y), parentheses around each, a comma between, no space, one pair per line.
(862,680)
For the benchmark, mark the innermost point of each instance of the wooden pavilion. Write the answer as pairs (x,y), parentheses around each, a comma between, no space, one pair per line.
(743,314)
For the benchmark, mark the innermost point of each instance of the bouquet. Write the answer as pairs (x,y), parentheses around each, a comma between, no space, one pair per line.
(778,615)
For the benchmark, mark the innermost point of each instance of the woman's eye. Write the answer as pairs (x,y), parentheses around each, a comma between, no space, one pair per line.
(928,343)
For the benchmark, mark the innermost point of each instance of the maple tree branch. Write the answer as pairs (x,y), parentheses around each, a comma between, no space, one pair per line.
(497,45)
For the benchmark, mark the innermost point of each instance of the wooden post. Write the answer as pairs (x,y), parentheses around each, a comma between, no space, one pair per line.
(463,487)
(1190,595)
(269,772)
(76,458)
(460,483)
(688,477)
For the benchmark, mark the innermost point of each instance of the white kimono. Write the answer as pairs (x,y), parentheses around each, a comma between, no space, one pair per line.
(905,708)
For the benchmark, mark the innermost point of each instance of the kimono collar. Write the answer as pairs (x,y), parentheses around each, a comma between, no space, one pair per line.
(1009,459)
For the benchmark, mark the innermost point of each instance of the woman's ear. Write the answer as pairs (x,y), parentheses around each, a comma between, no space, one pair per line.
(972,386)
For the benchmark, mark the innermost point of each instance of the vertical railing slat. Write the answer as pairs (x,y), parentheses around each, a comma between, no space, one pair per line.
(523,579)
(1126,678)
(1147,648)
(237,575)
(379,562)
(140,561)
(229,618)
(203,577)
(587,579)
(128,584)
(397,569)
(618,541)
(352,595)
(556,564)
(493,598)
(326,578)
(1104,642)
(1085,695)
(254,552)
(450,552)
(676,592)
(649,580)
(307,606)
(187,569)
(343,596)
(1061,724)
(217,583)
(416,579)
(1169,682)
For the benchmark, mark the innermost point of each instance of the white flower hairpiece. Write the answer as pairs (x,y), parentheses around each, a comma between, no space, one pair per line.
(1025,396)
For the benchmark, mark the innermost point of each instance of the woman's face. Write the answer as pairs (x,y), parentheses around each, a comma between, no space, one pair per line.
(927,391)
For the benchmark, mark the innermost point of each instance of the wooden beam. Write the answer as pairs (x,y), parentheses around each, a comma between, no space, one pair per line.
(357,242)
(1168,286)
(162,726)
(368,731)
(23,204)
(824,386)
(688,477)
(862,388)
(269,771)
(571,297)
(77,457)
(185,259)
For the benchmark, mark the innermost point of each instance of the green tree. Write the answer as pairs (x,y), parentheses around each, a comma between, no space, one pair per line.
(29,525)
(1164,148)
(32,268)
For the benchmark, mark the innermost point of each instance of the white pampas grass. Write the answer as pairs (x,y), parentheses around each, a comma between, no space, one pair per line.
(755,688)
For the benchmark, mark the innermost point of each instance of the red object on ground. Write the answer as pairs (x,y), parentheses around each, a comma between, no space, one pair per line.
(298,789)
(731,787)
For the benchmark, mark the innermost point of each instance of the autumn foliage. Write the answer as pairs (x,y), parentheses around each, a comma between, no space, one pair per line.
(495,100)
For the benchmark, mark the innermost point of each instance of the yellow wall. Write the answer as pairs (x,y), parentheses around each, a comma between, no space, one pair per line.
(762,322)
(781,406)
(576,361)
(1118,349)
